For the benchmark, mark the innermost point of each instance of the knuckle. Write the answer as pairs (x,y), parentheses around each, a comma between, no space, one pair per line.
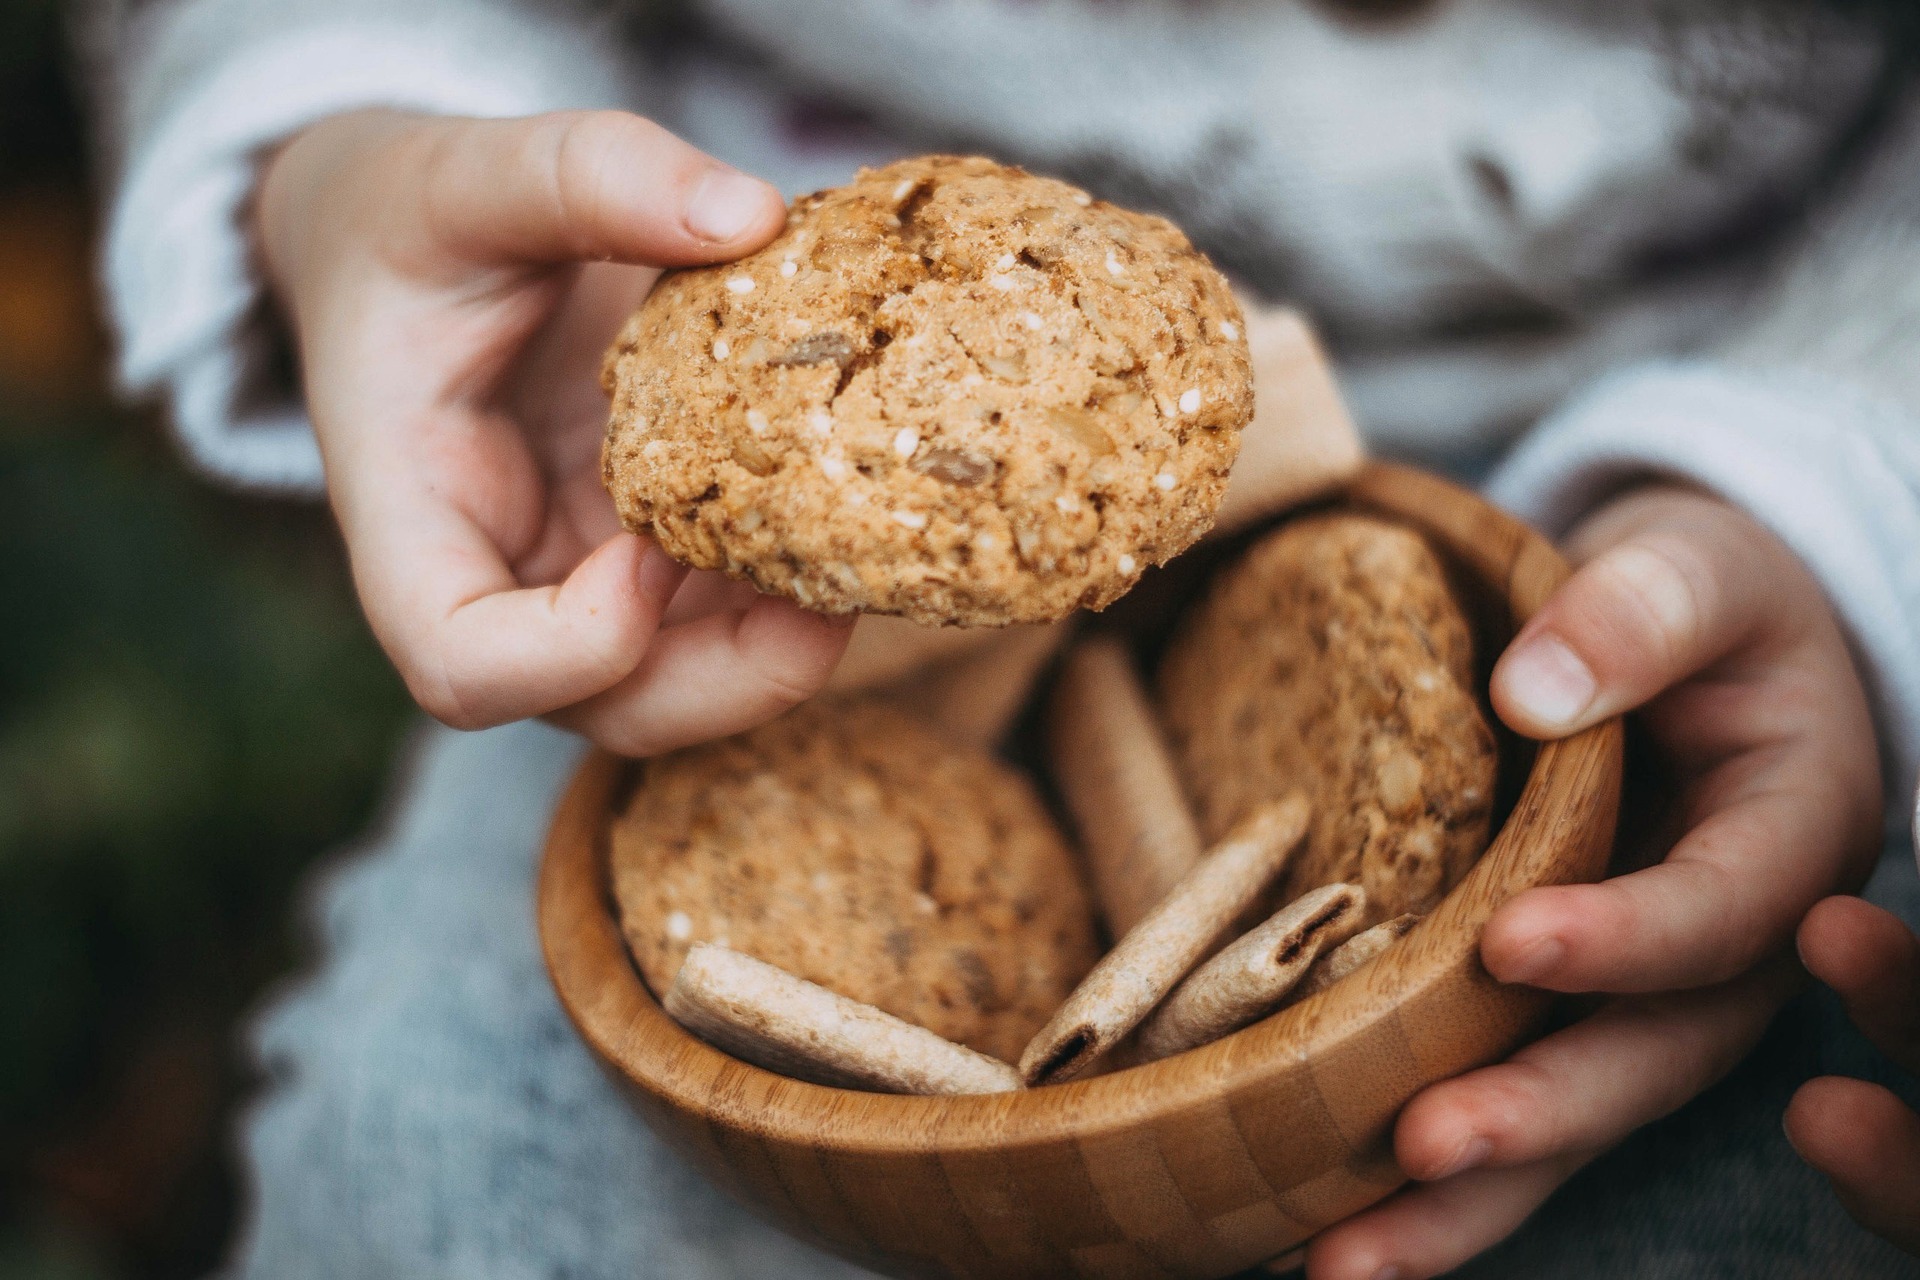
(1612,941)
(610,648)
(784,689)
(618,735)
(586,140)
(436,690)
(430,154)
(797,675)
(1517,1100)
(587,151)
(1615,908)
(1725,912)
(569,174)
(1658,592)
(1525,1093)
(790,658)
(443,705)
(607,631)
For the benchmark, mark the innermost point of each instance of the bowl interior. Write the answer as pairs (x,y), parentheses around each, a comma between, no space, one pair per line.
(1283,1123)
(1149,616)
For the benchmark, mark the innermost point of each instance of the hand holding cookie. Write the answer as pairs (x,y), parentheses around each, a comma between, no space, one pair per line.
(451,284)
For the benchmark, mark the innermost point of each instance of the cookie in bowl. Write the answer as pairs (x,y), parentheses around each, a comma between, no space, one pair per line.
(950,391)
(1334,657)
(852,846)
(1245,1146)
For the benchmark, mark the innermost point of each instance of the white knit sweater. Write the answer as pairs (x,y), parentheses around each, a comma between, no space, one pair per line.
(1708,227)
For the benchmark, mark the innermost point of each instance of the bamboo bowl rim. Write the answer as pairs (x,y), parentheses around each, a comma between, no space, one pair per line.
(621,1021)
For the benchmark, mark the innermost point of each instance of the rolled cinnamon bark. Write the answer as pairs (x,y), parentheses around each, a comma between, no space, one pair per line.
(1253,976)
(1353,953)
(1159,951)
(764,1015)
(1119,782)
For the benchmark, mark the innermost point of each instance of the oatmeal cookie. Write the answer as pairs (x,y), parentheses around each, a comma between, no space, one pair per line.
(850,845)
(950,390)
(1334,657)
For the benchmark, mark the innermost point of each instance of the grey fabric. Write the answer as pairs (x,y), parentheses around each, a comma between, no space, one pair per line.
(430,1113)
(1381,174)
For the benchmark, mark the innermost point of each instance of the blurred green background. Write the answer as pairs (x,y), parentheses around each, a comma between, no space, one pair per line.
(191,711)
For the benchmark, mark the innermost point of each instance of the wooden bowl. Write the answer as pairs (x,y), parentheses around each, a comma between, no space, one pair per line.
(1197,1165)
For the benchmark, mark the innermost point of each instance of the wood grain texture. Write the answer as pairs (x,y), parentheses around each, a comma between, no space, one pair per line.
(1198,1165)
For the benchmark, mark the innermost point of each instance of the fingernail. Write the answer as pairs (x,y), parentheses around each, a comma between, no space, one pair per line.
(1548,681)
(1389,1272)
(1470,1155)
(1535,961)
(725,204)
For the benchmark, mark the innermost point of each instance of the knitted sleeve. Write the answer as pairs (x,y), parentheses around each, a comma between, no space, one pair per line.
(187,94)
(1808,416)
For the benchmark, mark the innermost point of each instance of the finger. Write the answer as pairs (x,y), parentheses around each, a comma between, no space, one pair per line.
(1872,961)
(582,186)
(1429,1230)
(713,676)
(1727,893)
(1588,1086)
(580,517)
(553,387)
(477,650)
(1868,1144)
(706,592)
(1665,602)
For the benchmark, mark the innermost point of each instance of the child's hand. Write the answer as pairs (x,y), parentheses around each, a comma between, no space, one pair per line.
(1858,1134)
(452,284)
(1690,611)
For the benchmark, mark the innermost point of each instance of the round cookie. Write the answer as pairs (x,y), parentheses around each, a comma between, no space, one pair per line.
(1333,656)
(845,842)
(950,390)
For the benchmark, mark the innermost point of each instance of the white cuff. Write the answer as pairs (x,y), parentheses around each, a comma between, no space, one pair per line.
(178,270)
(1834,474)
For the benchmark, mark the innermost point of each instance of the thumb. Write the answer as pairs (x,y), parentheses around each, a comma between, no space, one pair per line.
(1673,596)
(579,186)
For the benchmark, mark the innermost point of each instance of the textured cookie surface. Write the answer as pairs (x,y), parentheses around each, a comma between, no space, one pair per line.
(1334,657)
(950,390)
(846,843)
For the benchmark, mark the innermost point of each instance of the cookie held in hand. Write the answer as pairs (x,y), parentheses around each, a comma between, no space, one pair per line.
(852,846)
(1334,658)
(950,390)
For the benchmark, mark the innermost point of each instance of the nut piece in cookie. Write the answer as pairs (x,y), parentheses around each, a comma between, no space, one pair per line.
(950,390)
(854,847)
(1333,657)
